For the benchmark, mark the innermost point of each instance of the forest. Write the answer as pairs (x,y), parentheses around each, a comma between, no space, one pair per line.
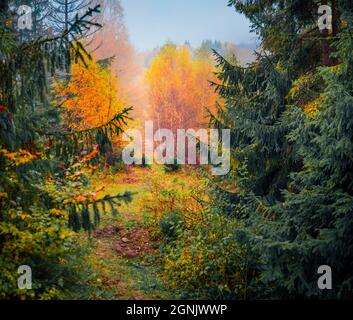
(80,222)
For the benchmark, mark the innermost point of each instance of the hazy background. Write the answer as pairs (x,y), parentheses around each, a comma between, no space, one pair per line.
(151,23)
(134,31)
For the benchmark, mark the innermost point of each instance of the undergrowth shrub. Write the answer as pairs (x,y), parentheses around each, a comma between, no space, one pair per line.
(184,193)
(114,161)
(172,167)
(171,224)
(200,255)
(42,240)
(207,262)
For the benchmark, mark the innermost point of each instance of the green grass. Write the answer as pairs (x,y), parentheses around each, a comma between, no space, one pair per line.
(126,278)
(154,192)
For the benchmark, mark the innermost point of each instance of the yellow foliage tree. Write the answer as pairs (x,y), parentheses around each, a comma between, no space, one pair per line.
(91,97)
(179,88)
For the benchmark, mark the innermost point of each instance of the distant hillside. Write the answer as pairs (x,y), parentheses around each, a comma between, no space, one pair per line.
(243,54)
(227,49)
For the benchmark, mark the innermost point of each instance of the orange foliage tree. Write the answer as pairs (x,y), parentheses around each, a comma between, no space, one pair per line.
(91,97)
(179,88)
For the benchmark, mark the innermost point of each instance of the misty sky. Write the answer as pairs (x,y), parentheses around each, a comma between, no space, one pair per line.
(152,22)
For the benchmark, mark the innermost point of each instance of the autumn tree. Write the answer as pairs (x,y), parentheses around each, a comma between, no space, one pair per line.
(92,96)
(179,90)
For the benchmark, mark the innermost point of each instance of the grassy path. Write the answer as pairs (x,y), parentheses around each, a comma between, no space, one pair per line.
(123,251)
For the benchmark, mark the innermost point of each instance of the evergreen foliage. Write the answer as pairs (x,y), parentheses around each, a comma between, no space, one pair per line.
(290,115)
(64,12)
(43,168)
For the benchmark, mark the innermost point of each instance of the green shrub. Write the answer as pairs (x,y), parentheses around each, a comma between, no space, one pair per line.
(60,269)
(208,262)
(171,224)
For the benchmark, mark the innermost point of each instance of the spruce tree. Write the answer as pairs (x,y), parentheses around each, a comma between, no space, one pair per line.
(315,223)
(63,12)
(42,187)
(289,115)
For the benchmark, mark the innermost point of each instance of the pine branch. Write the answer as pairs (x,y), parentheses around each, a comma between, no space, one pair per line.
(79,24)
(70,143)
(80,215)
(118,119)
